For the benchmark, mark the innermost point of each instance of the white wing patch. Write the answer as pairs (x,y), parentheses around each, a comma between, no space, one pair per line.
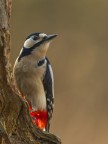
(52,77)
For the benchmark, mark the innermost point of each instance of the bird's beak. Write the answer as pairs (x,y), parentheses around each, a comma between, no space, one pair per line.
(50,37)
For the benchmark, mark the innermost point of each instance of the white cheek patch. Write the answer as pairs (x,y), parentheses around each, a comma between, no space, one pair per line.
(30,42)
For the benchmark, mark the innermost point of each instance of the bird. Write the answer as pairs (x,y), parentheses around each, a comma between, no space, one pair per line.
(34,78)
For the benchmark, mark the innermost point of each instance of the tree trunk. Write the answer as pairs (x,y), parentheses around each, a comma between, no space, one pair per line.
(16,126)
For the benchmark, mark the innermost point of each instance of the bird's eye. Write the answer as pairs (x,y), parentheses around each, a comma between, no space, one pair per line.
(35,38)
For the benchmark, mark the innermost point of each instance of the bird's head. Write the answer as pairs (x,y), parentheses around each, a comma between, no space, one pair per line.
(37,39)
(37,44)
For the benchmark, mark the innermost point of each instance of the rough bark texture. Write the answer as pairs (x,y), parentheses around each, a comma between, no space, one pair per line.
(16,126)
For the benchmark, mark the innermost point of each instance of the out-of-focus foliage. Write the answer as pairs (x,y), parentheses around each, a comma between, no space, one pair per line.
(79,57)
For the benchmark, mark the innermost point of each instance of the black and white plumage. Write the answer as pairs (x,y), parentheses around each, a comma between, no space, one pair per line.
(48,83)
(33,73)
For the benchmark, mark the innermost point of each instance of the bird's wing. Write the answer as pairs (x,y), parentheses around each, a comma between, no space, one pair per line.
(48,83)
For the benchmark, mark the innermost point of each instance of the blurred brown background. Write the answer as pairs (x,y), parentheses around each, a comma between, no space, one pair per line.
(79,56)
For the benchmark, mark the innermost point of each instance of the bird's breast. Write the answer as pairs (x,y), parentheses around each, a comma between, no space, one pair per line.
(29,81)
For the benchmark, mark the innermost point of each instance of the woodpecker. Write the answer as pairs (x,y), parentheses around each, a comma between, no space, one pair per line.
(33,76)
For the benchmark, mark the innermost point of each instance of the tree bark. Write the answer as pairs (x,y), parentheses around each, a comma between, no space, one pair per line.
(16,126)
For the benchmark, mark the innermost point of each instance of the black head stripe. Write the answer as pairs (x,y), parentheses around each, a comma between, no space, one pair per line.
(37,34)
(25,52)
